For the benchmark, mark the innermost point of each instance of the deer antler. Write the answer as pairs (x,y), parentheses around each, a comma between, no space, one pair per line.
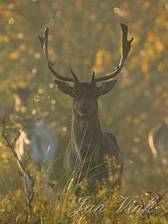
(126,46)
(44,45)
(93,77)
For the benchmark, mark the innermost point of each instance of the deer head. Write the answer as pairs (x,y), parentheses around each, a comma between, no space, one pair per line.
(84,94)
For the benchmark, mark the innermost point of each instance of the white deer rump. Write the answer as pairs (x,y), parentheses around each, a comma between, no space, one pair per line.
(158,140)
(39,144)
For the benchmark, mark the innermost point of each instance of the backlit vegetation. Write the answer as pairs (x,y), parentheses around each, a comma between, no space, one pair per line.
(86,35)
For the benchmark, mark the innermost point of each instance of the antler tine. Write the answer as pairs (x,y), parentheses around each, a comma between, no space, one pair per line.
(44,45)
(74,75)
(93,77)
(126,46)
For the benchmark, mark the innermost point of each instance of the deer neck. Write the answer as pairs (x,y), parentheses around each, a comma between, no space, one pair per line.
(86,132)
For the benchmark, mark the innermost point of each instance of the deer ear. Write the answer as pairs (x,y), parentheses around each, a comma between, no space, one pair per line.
(65,87)
(105,87)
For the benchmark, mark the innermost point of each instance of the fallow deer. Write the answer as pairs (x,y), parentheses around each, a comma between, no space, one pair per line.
(89,146)
(158,141)
(36,142)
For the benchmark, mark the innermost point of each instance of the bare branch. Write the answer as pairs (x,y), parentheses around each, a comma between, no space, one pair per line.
(27,179)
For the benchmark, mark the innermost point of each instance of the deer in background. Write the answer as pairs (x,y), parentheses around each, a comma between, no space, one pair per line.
(158,141)
(89,146)
(36,142)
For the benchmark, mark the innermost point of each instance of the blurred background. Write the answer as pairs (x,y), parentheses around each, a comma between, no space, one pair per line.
(86,35)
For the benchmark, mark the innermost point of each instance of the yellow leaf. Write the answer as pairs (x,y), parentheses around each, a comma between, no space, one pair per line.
(103,57)
(145,67)
(4,38)
(14,55)
(159,46)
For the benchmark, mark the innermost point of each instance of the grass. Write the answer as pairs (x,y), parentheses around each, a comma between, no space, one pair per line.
(65,208)
(106,206)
